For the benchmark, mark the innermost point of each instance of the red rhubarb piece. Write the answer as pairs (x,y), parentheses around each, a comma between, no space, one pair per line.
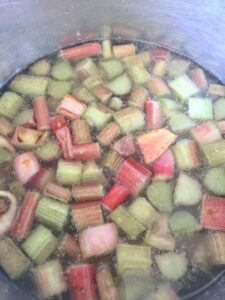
(69,245)
(84,152)
(115,196)
(163,167)
(154,118)
(125,146)
(82,51)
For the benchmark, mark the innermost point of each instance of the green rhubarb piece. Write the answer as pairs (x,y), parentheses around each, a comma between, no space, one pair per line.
(10,104)
(214,153)
(126,222)
(214,180)
(170,107)
(138,74)
(29,85)
(133,258)
(23,117)
(160,195)
(183,223)
(172,266)
(97,115)
(5,157)
(62,70)
(112,67)
(187,190)
(115,103)
(200,108)
(92,173)
(52,213)
(159,241)
(219,109)
(129,119)
(120,86)
(183,87)
(40,68)
(58,88)
(17,189)
(92,82)
(177,67)
(40,244)
(85,68)
(142,211)
(83,94)
(112,160)
(180,123)
(69,172)
(49,151)
(12,259)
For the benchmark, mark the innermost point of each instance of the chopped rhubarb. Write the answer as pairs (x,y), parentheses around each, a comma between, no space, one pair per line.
(88,192)
(81,132)
(159,68)
(82,282)
(125,146)
(213,211)
(69,246)
(221,126)
(71,108)
(41,113)
(138,96)
(154,143)
(112,160)
(86,151)
(82,51)
(115,196)
(206,133)
(58,122)
(57,192)
(108,133)
(26,166)
(199,78)
(154,118)
(163,167)
(160,54)
(98,240)
(158,87)
(124,50)
(42,178)
(133,176)
(25,216)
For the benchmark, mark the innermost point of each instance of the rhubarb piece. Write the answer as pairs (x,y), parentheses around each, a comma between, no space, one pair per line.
(153,115)
(200,108)
(49,151)
(180,123)
(112,67)
(97,115)
(25,216)
(5,144)
(183,87)
(108,134)
(29,85)
(214,180)
(161,241)
(106,286)
(163,167)
(87,214)
(221,126)
(57,192)
(107,49)
(25,118)
(6,220)
(81,51)
(160,195)
(69,172)
(206,133)
(129,119)
(216,90)
(41,113)
(199,256)
(62,70)
(126,222)
(120,85)
(69,246)
(133,257)
(172,266)
(71,108)
(198,76)
(6,128)
(124,50)
(82,282)
(187,190)
(164,291)
(186,155)
(87,192)
(40,68)
(10,104)
(26,166)
(133,176)
(212,215)
(86,68)
(83,94)
(159,69)
(154,143)
(58,89)
(183,223)
(115,196)
(113,160)
(214,152)
(138,74)
(17,189)
(43,177)
(219,109)
(92,82)
(125,146)
(170,107)
(27,138)
(98,240)
(52,213)
(49,279)
(138,97)
(177,67)
(81,132)
(159,53)
(137,59)
(142,211)
(103,94)
(158,87)
(115,103)
(214,244)
(5,157)
(92,173)
(40,244)
(12,259)
(85,152)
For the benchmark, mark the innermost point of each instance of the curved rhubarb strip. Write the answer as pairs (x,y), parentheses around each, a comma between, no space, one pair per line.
(7,219)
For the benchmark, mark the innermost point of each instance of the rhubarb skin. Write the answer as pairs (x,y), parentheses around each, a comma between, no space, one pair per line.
(213,212)
(154,143)
(125,146)
(69,246)
(85,152)
(134,176)
(154,118)
(116,196)
(163,167)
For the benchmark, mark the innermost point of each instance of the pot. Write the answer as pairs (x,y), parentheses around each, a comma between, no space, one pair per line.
(32,29)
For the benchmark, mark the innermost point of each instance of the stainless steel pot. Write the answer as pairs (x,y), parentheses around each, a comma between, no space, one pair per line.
(30,29)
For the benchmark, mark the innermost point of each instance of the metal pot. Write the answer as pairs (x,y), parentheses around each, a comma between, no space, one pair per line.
(32,29)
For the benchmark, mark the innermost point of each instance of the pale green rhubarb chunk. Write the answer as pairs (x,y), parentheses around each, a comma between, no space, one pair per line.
(214,180)
(10,104)
(219,109)
(183,223)
(97,115)
(180,123)
(112,67)
(214,153)
(200,108)
(120,86)
(29,85)
(139,74)
(170,107)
